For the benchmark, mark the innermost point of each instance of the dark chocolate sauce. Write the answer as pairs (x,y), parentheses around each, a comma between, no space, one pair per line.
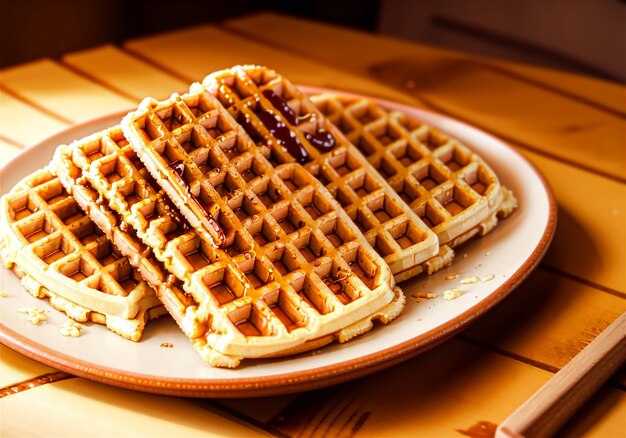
(247,126)
(178,167)
(322,140)
(283,134)
(281,106)
(219,241)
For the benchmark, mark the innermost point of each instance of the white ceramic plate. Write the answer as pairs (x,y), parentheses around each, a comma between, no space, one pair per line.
(509,253)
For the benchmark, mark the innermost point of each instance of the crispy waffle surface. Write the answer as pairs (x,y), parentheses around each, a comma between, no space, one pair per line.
(289,274)
(235,107)
(281,119)
(60,254)
(451,188)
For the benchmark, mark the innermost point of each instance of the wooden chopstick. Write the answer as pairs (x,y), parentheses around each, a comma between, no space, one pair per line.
(554,403)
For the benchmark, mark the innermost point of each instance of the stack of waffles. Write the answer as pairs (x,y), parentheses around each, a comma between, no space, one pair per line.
(265,223)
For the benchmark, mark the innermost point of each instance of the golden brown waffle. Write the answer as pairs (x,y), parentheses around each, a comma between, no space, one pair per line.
(447,185)
(288,127)
(394,231)
(168,288)
(61,254)
(282,282)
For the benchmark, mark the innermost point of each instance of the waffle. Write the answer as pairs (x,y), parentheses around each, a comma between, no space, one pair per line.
(229,118)
(447,185)
(283,122)
(60,254)
(283,280)
(168,288)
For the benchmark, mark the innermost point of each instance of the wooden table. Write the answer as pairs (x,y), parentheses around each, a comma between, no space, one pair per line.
(570,127)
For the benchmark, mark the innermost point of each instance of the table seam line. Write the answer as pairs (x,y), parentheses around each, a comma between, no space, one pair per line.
(12,142)
(157,65)
(583,281)
(236,414)
(34,382)
(463,336)
(35,105)
(89,77)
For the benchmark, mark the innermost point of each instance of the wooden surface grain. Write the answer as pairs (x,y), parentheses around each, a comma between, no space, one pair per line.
(571,128)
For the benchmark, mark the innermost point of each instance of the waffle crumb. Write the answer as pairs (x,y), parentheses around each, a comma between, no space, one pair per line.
(71,328)
(452,276)
(488,277)
(35,314)
(451,294)
(470,280)
(166,345)
(428,295)
(4,294)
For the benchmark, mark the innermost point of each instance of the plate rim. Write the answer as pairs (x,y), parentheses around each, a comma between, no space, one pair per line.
(296,381)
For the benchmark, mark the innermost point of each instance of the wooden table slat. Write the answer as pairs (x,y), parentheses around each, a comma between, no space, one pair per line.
(23,124)
(62,91)
(262,410)
(78,407)
(121,71)
(590,224)
(548,320)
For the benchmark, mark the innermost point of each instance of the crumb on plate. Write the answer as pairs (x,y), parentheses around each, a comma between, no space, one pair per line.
(71,328)
(451,294)
(427,295)
(36,315)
